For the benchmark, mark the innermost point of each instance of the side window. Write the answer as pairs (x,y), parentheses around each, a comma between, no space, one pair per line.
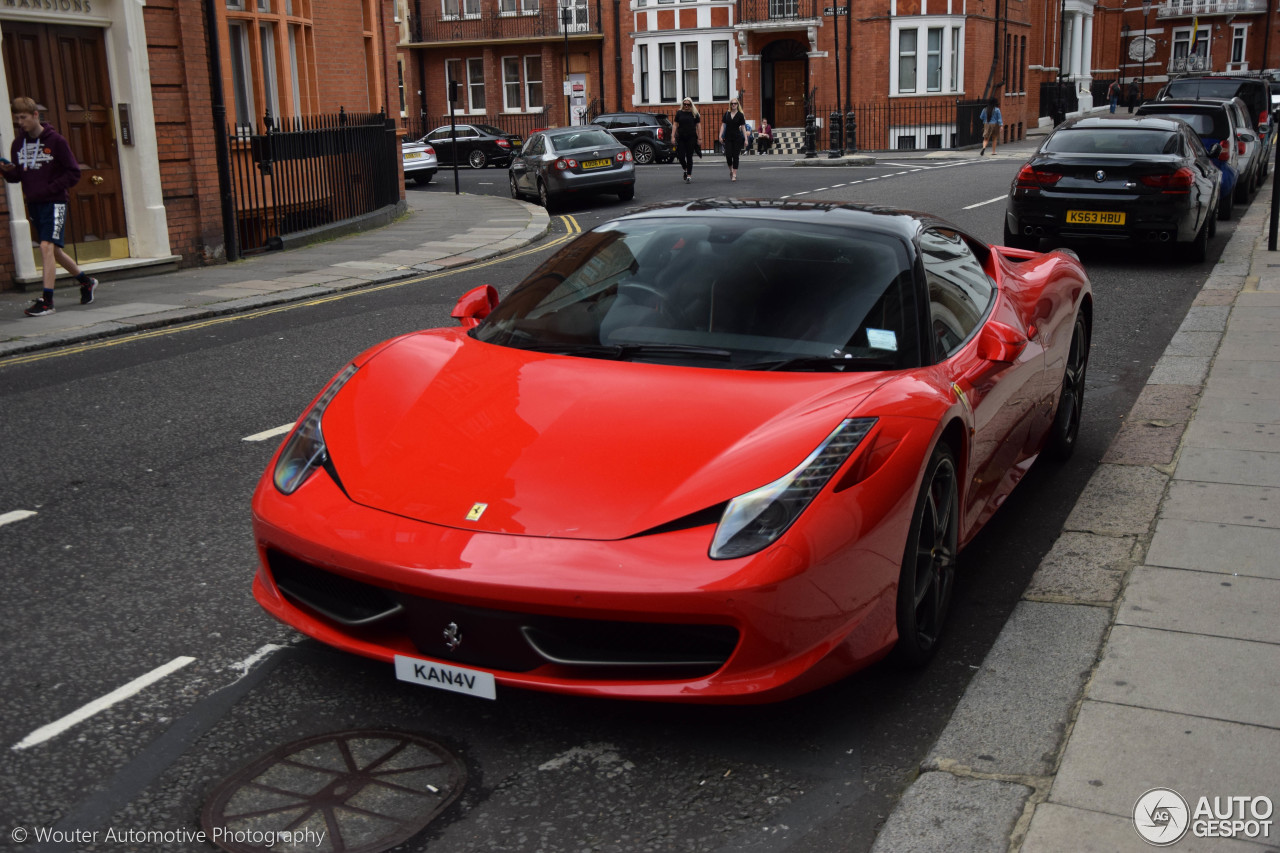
(438,134)
(959,289)
(605,122)
(533,147)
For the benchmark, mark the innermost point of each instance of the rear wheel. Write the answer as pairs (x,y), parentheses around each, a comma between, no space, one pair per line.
(627,193)
(1066,420)
(515,188)
(1226,204)
(929,562)
(643,152)
(1198,249)
(477,159)
(545,197)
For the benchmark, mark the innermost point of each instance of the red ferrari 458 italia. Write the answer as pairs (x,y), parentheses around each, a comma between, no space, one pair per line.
(718,452)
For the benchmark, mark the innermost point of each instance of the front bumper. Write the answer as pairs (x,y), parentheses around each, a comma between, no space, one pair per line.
(804,612)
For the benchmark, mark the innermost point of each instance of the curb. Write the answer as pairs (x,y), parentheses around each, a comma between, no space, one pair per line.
(997,758)
(540,225)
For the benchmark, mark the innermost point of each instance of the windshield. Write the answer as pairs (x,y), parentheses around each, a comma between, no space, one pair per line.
(719,292)
(1203,89)
(587,138)
(1107,141)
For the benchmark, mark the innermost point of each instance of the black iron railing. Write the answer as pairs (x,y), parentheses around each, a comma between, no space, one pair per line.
(491,24)
(905,124)
(763,11)
(296,174)
(521,123)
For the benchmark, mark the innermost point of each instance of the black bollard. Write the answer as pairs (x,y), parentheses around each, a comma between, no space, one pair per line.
(810,136)
(836,128)
(850,132)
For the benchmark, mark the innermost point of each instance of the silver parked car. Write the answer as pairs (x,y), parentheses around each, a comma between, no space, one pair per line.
(420,162)
(563,161)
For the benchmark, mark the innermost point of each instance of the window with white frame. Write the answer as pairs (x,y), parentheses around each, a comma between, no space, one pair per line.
(529,7)
(533,83)
(475,84)
(1189,57)
(1239,35)
(241,78)
(689,63)
(451,9)
(511,84)
(667,70)
(928,55)
(452,74)
(643,50)
(720,70)
(270,90)
(507,7)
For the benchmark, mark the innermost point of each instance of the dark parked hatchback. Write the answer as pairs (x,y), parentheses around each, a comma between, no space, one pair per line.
(1254,91)
(1143,179)
(648,135)
(1215,122)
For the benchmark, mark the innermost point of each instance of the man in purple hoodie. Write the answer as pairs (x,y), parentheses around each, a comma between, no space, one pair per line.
(41,160)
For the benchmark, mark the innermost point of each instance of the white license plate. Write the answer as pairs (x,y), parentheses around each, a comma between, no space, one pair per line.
(472,682)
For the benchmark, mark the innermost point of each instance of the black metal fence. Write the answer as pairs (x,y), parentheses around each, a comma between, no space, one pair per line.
(760,11)
(491,24)
(903,125)
(295,174)
(521,123)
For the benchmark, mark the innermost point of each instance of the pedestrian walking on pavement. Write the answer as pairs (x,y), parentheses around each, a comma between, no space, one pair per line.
(992,121)
(1134,94)
(687,121)
(733,135)
(41,160)
(1113,94)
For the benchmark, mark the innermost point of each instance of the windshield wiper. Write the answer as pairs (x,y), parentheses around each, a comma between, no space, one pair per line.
(625,351)
(831,362)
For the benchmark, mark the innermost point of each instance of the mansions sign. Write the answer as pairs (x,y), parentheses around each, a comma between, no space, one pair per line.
(82,6)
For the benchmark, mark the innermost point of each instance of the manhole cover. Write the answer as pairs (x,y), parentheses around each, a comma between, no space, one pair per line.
(346,792)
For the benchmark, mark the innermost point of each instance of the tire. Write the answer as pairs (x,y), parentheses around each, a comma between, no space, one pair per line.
(1065,429)
(515,188)
(477,159)
(1198,249)
(547,200)
(929,561)
(1226,204)
(423,179)
(1213,226)
(627,194)
(644,153)
(1018,241)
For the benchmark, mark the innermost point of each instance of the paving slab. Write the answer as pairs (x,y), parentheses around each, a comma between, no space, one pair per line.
(1146,443)
(1039,665)
(1083,568)
(1194,343)
(1252,410)
(942,813)
(1242,467)
(1208,432)
(1060,829)
(1118,500)
(1205,318)
(1164,404)
(1118,752)
(1253,506)
(1216,677)
(1229,549)
(1180,370)
(1243,608)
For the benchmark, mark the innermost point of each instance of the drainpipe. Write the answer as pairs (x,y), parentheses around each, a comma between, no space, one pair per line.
(230,232)
(617,53)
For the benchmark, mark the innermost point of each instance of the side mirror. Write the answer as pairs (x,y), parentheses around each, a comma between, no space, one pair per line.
(1000,343)
(1215,151)
(474,305)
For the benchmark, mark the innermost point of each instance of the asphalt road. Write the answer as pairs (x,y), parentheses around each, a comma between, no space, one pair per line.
(138,466)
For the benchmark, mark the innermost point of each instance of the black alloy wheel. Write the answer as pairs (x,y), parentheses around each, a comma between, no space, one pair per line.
(1197,251)
(929,563)
(643,152)
(477,159)
(1066,420)
(1227,203)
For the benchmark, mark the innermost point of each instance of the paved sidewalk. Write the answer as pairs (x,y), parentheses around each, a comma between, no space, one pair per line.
(441,230)
(1146,650)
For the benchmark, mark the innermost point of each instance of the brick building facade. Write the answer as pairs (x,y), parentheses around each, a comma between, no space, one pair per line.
(133,91)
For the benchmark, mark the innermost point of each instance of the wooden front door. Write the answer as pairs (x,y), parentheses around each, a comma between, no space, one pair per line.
(65,69)
(788,97)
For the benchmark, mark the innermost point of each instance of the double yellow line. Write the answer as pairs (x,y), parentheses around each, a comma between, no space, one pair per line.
(571,226)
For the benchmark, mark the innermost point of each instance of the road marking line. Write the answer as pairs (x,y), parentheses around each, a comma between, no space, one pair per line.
(271,433)
(988,201)
(15,515)
(57,727)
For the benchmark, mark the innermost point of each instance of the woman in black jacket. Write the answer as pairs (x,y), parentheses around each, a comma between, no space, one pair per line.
(687,121)
(733,134)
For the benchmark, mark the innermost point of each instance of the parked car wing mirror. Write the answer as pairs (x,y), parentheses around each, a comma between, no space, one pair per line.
(474,305)
(1000,343)
(1215,151)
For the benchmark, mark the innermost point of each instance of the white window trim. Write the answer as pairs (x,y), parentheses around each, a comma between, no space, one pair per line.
(653,41)
(524,67)
(922,24)
(471,107)
(519,84)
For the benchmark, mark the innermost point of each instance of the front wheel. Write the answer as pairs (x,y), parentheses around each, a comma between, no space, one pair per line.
(1066,420)
(627,193)
(929,562)
(477,159)
(644,153)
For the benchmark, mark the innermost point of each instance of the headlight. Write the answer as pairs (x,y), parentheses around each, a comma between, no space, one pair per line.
(304,452)
(754,520)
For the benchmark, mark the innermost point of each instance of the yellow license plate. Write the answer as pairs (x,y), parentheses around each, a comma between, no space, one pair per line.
(1094,217)
(595,164)
(413,155)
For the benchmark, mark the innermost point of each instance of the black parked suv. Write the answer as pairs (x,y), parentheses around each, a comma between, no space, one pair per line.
(648,135)
(1254,91)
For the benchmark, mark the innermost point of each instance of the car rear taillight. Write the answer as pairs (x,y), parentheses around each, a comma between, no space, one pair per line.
(1225,154)
(566,163)
(659,134)
(1034,179)
(623,155)
(502,143)
(1240,149)
(1177,182)
(430,150)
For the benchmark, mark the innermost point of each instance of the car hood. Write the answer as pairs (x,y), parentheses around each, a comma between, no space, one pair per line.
(448,430)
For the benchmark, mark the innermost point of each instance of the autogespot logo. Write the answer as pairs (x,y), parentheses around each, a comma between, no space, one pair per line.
(1161,817)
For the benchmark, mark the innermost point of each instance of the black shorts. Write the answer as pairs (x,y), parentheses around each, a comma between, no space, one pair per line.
(50,218)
